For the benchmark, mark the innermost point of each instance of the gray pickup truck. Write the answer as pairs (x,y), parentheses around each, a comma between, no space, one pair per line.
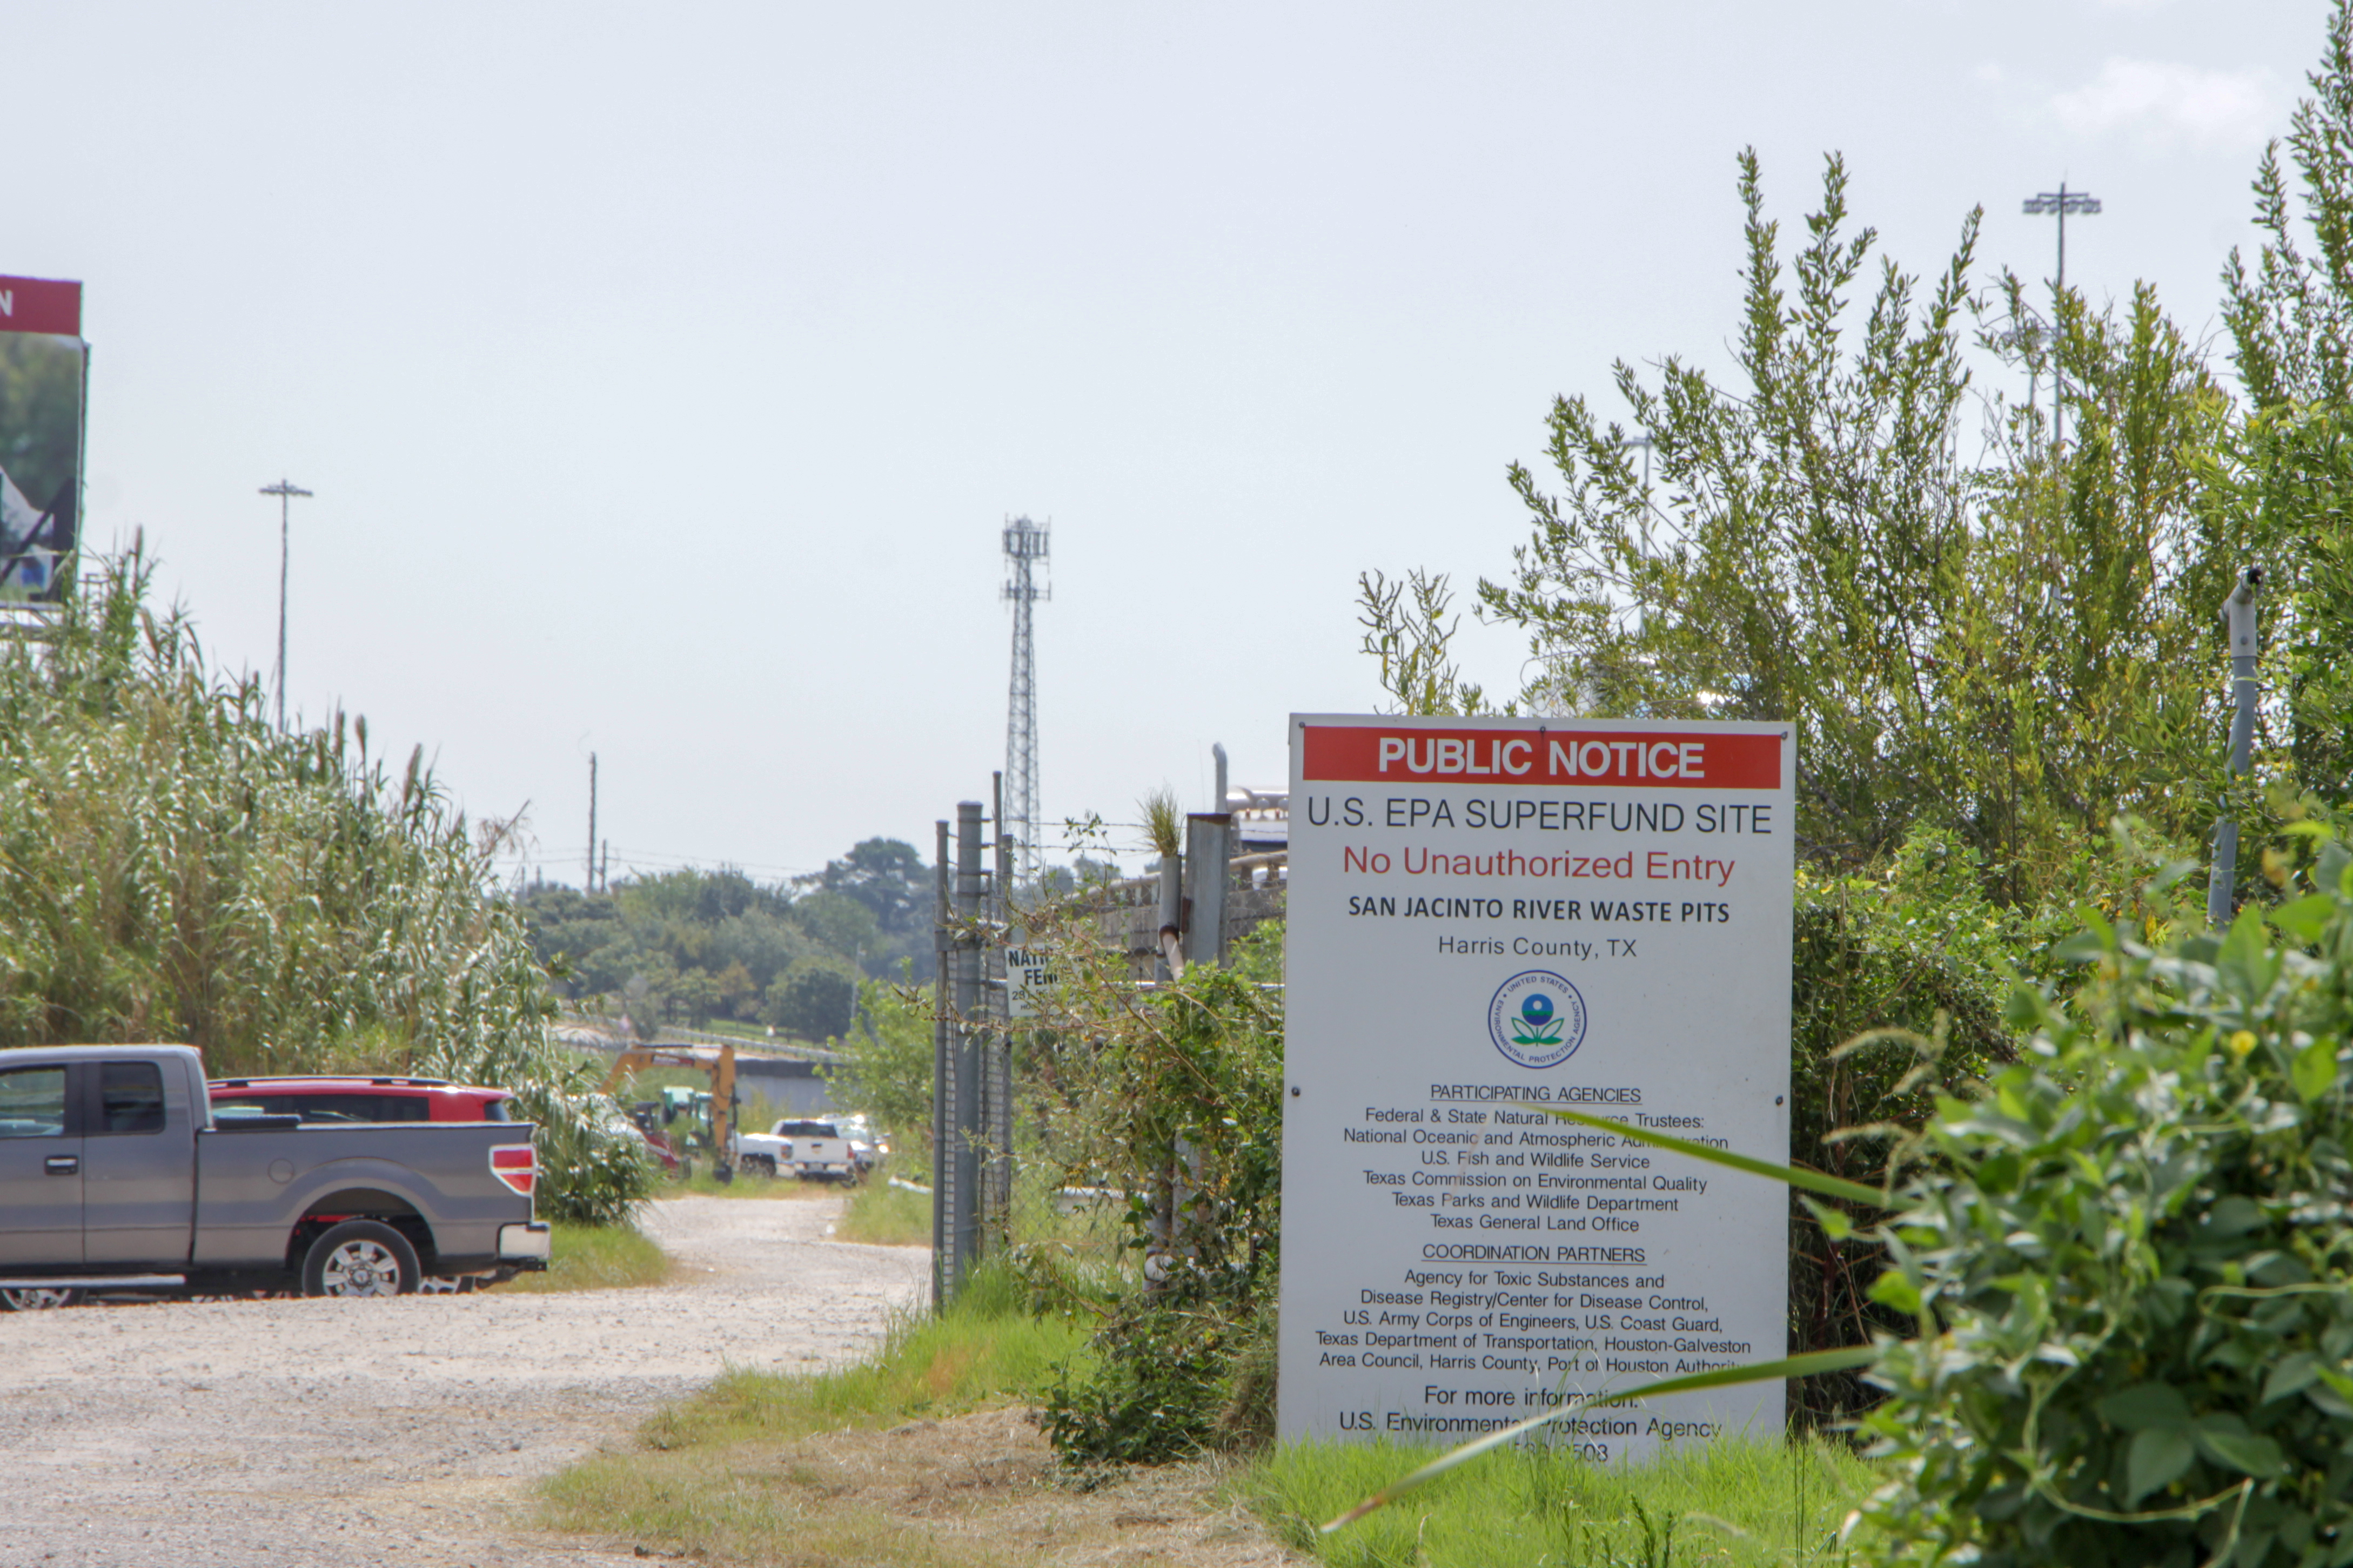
(114,1175)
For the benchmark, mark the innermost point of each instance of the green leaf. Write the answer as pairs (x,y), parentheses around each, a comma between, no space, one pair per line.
(2305,919)
(1891,1289)
(2246,963)
(2083,947)
(2226,1441)
(2315,1069)
(1723,1377)
(1835,1223)
(2234,1215)
(2158,1457)
(2328,875)
(1795,1175)
(2144,1406)
(2296,1372)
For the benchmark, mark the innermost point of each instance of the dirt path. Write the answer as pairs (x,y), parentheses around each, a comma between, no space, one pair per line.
(220,1435)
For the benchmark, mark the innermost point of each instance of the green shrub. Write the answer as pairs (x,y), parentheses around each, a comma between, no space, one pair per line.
(2131,1266)
(1908,951)
(1177,1102)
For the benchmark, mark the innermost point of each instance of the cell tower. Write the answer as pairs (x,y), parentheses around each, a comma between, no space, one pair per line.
(1025,546)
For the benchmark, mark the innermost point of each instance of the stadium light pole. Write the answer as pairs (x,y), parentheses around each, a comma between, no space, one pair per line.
(2059,204)
(285,491)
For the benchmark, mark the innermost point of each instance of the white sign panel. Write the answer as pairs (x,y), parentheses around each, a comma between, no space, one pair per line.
(1028,976)
(1490,914)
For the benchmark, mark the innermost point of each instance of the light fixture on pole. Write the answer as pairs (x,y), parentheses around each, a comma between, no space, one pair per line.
(2059,204)
(285,491)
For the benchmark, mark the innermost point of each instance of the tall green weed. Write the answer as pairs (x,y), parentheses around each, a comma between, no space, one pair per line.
(174,867)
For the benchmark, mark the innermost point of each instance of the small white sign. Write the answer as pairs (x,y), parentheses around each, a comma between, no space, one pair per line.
(1028,976)
(1488,917)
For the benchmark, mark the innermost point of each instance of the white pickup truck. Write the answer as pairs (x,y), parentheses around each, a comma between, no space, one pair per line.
(813,1151)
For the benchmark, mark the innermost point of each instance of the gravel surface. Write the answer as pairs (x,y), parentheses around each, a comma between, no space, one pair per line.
(208,1435)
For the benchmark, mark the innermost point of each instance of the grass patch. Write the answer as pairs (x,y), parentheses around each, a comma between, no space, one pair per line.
(594,1258)
(1735,1502)
(986,1350)
(881,1215)
(746,1184)
(728,1474)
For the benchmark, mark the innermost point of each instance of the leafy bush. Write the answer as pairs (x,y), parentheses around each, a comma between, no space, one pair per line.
(1909,952)
(2132,1269)
(1177,1102)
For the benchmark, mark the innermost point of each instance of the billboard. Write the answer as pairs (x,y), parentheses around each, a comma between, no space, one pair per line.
(44,386)
(1487,918)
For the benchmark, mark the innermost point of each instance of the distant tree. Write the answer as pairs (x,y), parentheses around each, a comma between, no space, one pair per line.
(887,1067)
(814,1001)
(694,997)
(738,997)
(2287,480)
(839,922)
(889,877)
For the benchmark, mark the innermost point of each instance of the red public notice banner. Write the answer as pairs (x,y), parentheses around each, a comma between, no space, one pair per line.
(40,305)
(1643,759)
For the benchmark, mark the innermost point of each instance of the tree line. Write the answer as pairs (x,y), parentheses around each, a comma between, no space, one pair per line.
(693,947)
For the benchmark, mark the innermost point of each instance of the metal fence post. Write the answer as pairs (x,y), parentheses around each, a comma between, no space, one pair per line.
(1207,839)
(2239,617)
(943,1080)
(1172,917)
(963,1203)
(997,1088)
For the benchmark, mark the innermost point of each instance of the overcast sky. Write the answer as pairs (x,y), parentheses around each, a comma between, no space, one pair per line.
(666,374)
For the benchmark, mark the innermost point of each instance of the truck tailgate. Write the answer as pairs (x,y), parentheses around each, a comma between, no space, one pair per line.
(252,1186)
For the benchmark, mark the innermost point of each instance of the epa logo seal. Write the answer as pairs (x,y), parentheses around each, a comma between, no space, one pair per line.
(1537,1018)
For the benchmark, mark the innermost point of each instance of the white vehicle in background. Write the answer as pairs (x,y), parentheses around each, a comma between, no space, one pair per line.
(799,1146)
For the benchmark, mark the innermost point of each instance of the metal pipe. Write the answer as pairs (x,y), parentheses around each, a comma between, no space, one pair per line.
(970,891)
(942,1107)
(2238,616)
(1172,916)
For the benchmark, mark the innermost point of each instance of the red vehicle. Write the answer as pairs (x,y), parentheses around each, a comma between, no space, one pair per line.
(368,1100)
(323,1099)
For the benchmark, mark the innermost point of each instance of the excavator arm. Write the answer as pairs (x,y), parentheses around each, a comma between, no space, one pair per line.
(716,1063)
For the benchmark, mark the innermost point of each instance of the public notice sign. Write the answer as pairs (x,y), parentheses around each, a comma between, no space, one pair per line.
(1492,916)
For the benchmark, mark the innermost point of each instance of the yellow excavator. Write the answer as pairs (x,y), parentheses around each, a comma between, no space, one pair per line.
(716,1062)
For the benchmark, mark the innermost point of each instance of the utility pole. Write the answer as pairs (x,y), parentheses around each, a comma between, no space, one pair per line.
(1025,547)
(592,822)
(2059,203)
(285,491)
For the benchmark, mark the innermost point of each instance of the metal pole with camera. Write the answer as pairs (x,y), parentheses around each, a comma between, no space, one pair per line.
(2239,617)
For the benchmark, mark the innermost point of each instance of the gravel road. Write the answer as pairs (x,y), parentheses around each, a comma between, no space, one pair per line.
(217,1434)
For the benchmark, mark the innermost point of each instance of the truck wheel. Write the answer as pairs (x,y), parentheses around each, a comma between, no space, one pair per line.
(360,1258)
(761,1165)
(37,1300)
(445,1285)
